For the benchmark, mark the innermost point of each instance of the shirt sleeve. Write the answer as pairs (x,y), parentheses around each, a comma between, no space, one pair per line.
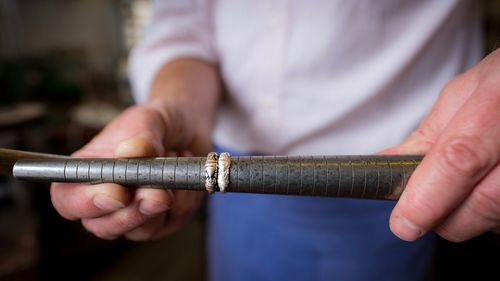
(178,28)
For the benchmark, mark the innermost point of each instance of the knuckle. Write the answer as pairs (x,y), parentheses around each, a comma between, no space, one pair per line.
(457,85)
(81,203)
(450,87)
(422,138)
(128,220)
(423,132)
(464,156)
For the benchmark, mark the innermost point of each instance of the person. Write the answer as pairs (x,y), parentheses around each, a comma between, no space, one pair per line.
(309,77)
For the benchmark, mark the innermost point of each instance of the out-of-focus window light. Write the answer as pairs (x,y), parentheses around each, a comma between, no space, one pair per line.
(136,15)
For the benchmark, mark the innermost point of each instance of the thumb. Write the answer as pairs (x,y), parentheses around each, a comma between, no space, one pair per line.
(141,145)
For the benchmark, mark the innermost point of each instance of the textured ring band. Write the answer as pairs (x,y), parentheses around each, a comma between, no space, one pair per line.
(224,164)
(211,172)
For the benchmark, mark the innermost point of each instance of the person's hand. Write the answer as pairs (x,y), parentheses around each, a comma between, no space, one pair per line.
(111,210)
(456,189)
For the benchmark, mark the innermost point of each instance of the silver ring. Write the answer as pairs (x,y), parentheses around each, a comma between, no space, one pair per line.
(211,172)
(223,171)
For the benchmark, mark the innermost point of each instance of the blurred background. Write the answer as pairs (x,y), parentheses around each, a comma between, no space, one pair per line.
(62,78)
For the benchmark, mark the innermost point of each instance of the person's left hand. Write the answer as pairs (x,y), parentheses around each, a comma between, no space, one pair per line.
(456,189)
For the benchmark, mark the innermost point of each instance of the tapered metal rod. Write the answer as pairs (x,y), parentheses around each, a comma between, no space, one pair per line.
(8,157)
(374,177)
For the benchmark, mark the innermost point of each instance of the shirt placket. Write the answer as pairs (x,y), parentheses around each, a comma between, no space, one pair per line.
(271,103)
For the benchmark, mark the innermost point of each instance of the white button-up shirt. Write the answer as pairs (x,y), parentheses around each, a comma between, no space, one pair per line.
(316,77)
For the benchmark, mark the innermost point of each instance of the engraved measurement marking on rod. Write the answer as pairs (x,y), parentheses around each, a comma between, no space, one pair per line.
(150,168)
(199,171)
(262,172)
(391,185)
(364,186)
(65,164)
(403,182)
(287,176)
(352,175)
(339,178)
(238,174)
(416,162)
(188,185)
(300,167)
(113,172)
(175,172)
(137,173)
(163,172)
(126,169)
(378,178)
(275,174)
(77,177)
(327,172)
(102,167)
(251,175)
(314,175)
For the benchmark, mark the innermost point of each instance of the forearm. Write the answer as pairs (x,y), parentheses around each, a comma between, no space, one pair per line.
(190,88)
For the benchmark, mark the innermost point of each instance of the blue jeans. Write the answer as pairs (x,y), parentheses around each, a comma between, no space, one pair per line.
(272,237)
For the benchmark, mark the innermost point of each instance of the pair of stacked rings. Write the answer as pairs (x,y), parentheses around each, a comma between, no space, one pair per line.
(217,171)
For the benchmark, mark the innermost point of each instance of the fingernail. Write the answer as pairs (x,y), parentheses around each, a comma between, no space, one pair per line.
(106,203)
(151,207)
(405,229)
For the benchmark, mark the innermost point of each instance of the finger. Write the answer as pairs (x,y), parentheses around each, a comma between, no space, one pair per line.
(149,230)
(115,224)
(153,200)
(74,201)
(464,153)
(185,206)
(479,213)
(147,204)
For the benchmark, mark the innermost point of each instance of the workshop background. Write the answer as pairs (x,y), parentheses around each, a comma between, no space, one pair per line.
(62,79)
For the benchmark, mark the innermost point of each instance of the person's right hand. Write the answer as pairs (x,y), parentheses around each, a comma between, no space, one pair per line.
(111,210)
